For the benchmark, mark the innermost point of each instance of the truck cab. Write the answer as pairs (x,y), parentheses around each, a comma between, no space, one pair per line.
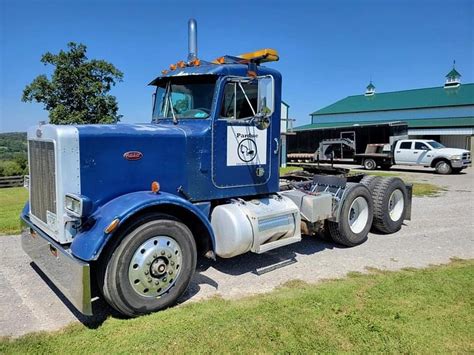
(429,153)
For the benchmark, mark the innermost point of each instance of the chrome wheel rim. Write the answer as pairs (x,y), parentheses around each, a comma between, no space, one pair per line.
(396,205)
(444,167)
(369,164)
(358,215)
(155,266)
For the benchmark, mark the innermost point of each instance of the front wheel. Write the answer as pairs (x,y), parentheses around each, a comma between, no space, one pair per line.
(151,266)
(443,167)
(370,164)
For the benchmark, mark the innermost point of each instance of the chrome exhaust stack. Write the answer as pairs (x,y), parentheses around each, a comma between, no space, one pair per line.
(192,40)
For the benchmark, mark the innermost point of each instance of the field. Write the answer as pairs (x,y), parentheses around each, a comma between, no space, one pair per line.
(411,311)
(12,201)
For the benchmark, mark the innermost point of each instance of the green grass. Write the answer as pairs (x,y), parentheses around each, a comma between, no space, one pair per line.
(289,169)
(12,201)
(411,311)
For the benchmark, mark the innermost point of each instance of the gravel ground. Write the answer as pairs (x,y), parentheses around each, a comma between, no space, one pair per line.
(441,228)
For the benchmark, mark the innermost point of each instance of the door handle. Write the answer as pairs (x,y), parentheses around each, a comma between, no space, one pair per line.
(277,145)
(415,152)
(398,151)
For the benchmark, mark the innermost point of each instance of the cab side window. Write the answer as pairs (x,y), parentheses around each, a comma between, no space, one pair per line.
(239,101)
(421,146)
(405,145)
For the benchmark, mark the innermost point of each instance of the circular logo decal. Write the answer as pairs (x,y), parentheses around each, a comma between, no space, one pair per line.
(247,150)
(133,155)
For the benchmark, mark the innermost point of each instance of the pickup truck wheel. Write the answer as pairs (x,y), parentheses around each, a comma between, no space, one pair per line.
(390,205)
(370,164)
(151,266)
(355,217)
(443,167)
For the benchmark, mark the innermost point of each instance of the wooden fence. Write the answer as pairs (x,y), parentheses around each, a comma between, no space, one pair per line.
(11,181)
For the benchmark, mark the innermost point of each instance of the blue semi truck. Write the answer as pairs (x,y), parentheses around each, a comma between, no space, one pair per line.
(123,211)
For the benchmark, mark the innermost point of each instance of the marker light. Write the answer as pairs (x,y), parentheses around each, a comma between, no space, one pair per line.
(112,226)
(173,67)
(196,62)
(164,72)
(262,55)
(155,187)
(181,64)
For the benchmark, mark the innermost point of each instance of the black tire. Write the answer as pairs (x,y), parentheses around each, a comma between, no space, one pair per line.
(341,231)
(385,221)
(116,267)
(370,164)
(370,181)
(443,167)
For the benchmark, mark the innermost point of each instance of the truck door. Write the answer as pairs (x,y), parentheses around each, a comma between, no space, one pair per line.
(242,154)
(404,153)
(422,153)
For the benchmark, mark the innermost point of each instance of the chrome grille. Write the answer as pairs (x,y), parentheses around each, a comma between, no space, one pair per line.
(42,179)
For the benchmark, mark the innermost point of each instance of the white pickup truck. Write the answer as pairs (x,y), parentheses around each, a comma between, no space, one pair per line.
(427,153)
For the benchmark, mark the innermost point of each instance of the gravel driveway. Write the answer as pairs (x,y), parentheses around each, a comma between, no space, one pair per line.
(441,228)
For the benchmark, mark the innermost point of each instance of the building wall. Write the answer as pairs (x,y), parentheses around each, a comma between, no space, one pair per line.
(397,115)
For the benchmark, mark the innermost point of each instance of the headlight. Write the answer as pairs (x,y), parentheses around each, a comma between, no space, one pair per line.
(78,206)
(456,157)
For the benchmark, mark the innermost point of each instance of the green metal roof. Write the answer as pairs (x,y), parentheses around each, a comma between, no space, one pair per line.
(403,100)
(453,74)
(417,123)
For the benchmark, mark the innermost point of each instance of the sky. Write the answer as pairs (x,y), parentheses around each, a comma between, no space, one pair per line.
(328,49)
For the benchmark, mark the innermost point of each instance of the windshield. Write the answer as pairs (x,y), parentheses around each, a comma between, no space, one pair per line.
(189,97)
(436,145)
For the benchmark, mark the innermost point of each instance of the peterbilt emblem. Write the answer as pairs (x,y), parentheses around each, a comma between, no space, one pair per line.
(39,133)
(133,155)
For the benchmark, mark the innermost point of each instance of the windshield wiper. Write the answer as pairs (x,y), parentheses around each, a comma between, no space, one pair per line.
(170,102)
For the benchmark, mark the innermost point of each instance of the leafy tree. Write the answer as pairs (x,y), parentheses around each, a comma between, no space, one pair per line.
(77,90)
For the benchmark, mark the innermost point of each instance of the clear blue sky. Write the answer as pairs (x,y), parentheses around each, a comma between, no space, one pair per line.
(328,49)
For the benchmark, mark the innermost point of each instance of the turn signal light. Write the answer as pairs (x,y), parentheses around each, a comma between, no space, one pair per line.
(164,72)
(196,62)
(181,64)
(220,60)
(112,226)
(173,67)
(155,187)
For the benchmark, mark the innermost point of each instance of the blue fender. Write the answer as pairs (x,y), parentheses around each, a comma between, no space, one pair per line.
(88,245)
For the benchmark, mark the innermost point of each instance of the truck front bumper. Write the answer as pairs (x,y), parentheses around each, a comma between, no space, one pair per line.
(69,274)
(460,163)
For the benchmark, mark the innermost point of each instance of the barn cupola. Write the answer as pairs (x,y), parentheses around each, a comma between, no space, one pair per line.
(453,78)
(370,89)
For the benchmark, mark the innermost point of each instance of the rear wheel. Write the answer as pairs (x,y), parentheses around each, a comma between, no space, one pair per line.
(443,167)
(370,164)
(355,217)
(390,205)
(370,181)
(151,266)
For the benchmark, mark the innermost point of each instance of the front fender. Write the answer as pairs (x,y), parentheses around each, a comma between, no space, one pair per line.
(87,245)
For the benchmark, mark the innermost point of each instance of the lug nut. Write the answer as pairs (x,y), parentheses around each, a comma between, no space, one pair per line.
(171,272)
(146,272)
(169,256)
(172,263)
(162,252)
(149,279)
(157,282)
(164,279)
(155,255)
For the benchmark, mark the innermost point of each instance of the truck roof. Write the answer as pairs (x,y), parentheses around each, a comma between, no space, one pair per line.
(208,68)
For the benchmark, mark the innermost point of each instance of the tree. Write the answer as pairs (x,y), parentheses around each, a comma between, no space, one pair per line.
(77,90)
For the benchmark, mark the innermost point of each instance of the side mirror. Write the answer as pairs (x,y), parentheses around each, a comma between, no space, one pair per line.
(266,101)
